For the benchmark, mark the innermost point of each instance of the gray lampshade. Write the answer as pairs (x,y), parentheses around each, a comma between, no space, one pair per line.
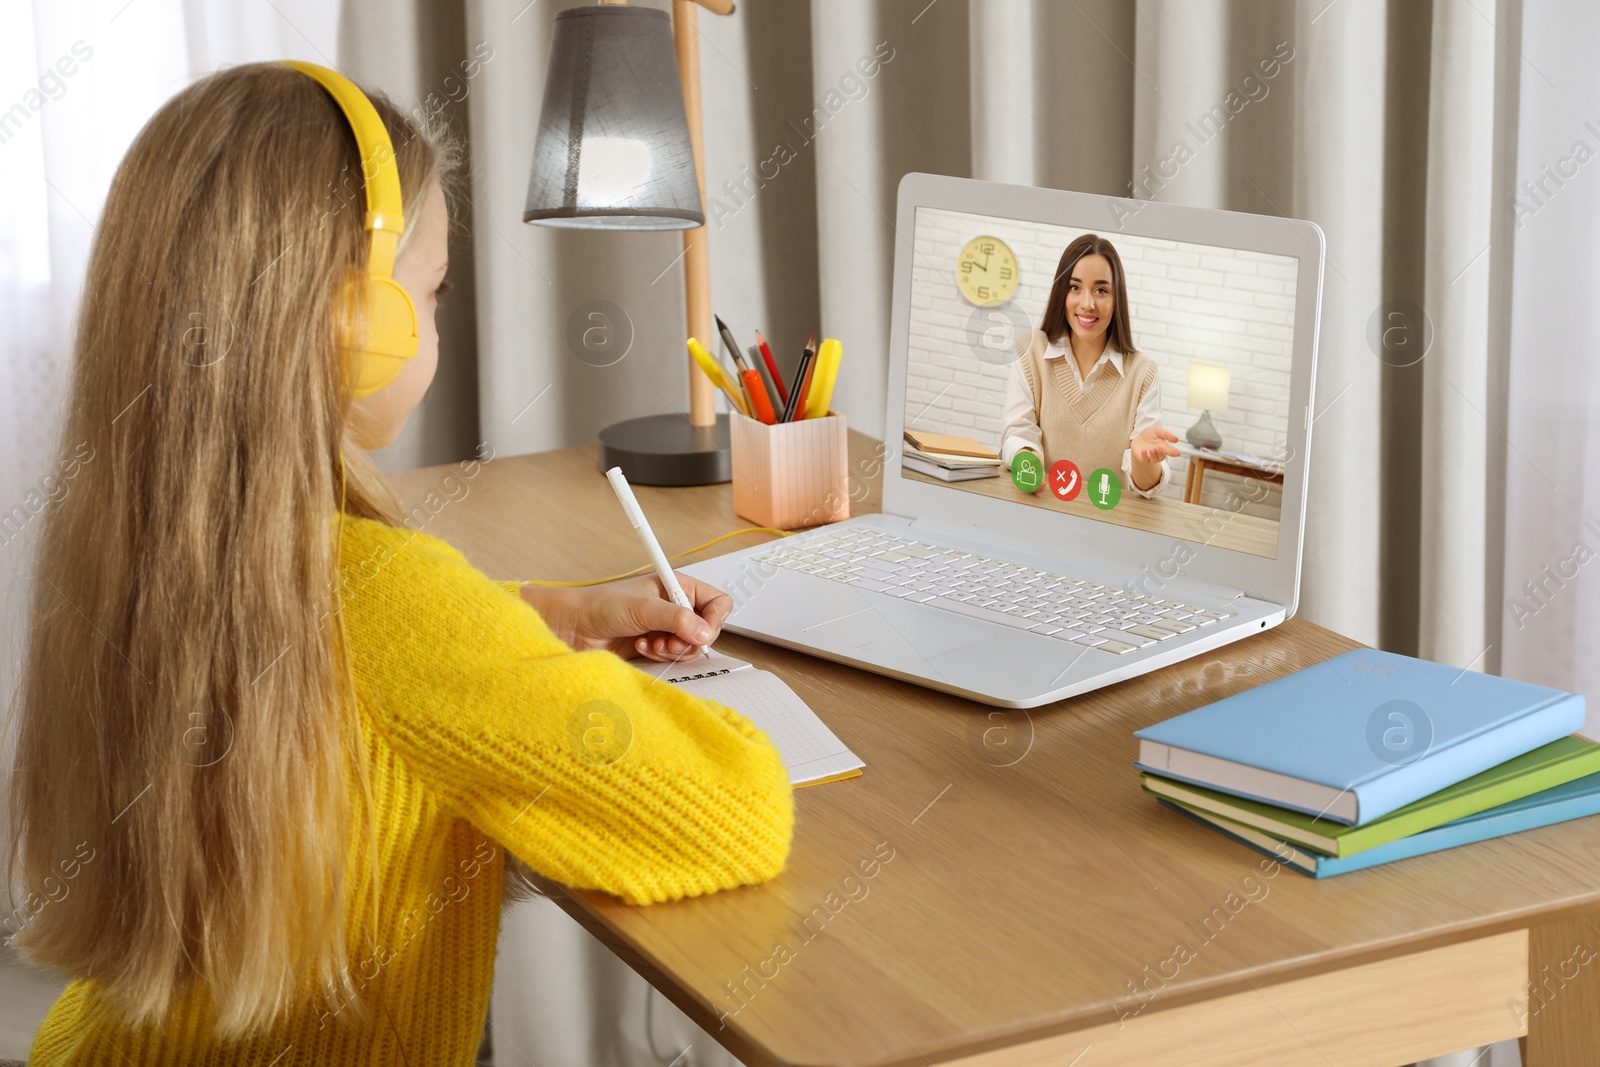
(613,148)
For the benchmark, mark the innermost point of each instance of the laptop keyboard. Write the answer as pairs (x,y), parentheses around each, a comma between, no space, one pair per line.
(1010,594)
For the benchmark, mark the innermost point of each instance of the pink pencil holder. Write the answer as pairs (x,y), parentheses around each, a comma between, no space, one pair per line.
(790,474)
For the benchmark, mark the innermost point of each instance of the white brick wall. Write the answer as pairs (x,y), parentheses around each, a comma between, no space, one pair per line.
(1223,306)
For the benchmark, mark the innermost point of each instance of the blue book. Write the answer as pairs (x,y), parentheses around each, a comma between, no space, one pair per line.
(1355,737)
(1572,800)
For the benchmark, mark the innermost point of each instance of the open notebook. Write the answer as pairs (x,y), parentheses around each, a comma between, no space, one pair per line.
(810,750)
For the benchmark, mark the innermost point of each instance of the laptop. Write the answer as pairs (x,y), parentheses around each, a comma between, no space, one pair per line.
(1020,583)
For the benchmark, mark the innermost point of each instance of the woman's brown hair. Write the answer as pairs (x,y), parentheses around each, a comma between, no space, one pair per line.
(1054,325)
(185,715)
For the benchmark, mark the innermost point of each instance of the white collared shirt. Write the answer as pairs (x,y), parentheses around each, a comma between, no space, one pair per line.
(1019,418)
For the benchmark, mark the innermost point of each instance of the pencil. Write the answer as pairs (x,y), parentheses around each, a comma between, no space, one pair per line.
(774,387)
(772,368)
(796,394)
(806,384)
(741,370)
(802,380)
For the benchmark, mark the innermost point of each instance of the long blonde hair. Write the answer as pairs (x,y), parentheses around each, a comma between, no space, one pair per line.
(186,719)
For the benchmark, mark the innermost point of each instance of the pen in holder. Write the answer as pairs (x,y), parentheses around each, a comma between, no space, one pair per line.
(790,474)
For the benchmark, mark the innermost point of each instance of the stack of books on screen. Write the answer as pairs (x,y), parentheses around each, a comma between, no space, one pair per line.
(949,458)
(1372,757)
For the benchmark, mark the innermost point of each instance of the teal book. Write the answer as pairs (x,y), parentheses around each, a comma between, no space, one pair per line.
(1573,800)
(1358,736)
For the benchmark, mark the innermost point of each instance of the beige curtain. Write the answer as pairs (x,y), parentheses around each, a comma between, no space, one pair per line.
(1391,123)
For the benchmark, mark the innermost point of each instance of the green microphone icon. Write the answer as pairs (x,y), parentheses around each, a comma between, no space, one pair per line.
(1105,489)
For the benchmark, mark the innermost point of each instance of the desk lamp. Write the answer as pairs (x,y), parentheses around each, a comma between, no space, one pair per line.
(619,149)
(1208,391)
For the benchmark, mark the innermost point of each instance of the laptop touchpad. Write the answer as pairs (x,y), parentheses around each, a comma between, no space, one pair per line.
(902,630)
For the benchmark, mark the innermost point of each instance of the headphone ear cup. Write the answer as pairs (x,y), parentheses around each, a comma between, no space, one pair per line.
(377,332)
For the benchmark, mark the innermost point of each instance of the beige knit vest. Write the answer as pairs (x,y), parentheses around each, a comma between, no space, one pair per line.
(1092,426)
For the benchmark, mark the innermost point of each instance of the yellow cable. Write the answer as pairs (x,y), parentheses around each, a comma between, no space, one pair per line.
(648,567)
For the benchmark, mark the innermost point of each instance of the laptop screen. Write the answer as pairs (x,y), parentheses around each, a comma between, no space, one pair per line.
(1128,379)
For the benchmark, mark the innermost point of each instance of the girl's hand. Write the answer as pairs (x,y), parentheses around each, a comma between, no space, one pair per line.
(1152,445)
(633,617)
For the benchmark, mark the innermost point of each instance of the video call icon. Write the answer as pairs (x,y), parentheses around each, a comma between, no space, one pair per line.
(1027,472)
(1065,480)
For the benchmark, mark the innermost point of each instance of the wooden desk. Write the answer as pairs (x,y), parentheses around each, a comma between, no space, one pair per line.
(1163,515)
(1033,888)
(1202,460)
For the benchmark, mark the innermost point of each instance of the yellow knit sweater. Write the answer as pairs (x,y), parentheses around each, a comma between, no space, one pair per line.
(480,737)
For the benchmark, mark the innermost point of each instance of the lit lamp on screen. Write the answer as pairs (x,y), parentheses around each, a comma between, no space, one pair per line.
(1208,391)
(619,149)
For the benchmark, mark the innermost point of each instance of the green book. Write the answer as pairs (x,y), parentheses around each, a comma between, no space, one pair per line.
(1557,763)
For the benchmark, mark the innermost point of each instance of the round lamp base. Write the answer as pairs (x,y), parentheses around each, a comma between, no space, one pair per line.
(667,450)
(1203,434)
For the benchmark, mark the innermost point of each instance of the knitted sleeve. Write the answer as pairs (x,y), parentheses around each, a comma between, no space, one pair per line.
(592,772)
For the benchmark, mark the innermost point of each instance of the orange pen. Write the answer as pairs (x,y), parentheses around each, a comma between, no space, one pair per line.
(760,403)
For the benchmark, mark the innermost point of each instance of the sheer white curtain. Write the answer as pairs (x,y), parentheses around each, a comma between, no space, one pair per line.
(1552,519)
(1549,595)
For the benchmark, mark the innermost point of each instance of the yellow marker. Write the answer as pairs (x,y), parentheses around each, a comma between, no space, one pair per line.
(714,371)
(823,377)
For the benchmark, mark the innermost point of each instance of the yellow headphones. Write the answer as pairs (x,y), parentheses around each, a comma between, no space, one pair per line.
(378,333)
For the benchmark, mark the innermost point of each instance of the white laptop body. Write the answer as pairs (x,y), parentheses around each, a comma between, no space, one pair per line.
(885,592)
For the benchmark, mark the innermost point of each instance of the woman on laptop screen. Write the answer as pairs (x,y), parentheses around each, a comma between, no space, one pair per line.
(1079,389)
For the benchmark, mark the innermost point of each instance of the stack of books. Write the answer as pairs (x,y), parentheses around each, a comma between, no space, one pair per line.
(949,458)
(1371,757)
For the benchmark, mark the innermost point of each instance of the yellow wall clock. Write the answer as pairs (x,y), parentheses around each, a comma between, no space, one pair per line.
(986,270)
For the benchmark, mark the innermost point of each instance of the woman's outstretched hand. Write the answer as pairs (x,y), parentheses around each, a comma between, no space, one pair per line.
(1153,445)
(633,617)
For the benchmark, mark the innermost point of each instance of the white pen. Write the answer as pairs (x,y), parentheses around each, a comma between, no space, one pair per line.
(635,515)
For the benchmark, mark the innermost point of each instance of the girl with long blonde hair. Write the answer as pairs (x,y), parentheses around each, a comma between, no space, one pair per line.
(274,750)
